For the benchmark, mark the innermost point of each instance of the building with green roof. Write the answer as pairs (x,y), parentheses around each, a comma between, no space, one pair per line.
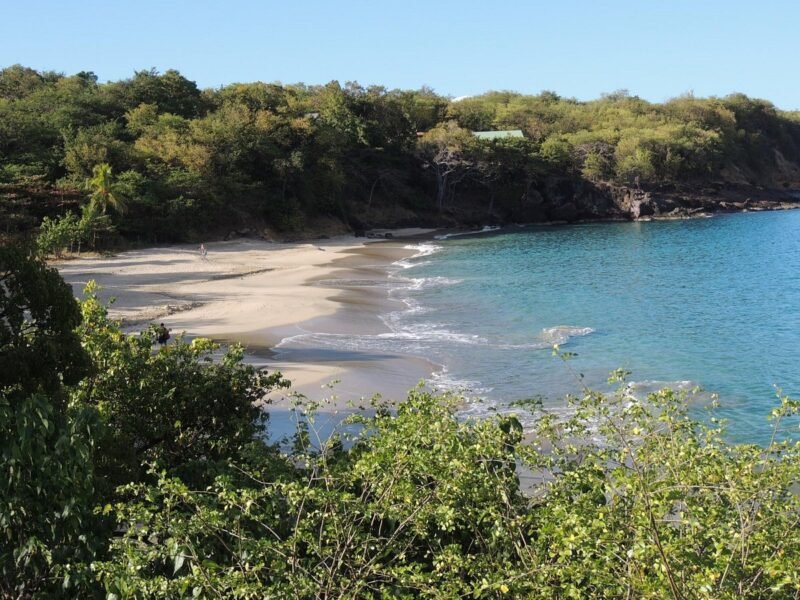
(496,135)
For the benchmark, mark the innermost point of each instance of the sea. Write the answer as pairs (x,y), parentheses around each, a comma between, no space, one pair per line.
(709,304)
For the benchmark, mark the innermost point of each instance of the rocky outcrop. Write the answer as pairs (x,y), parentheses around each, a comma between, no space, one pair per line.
(606,201)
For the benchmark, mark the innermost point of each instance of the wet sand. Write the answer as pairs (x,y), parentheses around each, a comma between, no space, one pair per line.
(259,293)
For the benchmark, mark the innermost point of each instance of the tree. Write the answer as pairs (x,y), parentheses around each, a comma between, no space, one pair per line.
(18,82)
(103,195)
(56,235)
(178,408)
(37,317)
(596,159)
(444,149)
(341,126)
(423,505)
(475,114)
(90,147)
(46,475)
(499,161)
(171,92)
(102,192)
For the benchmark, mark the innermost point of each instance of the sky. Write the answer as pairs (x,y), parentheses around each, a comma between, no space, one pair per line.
(656,49)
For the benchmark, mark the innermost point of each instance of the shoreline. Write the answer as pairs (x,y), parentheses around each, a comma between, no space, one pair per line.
(262,294)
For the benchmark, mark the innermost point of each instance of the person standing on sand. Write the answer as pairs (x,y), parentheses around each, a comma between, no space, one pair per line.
(203,252)
(162,334)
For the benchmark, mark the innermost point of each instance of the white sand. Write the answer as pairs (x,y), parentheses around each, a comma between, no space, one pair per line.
(257,293)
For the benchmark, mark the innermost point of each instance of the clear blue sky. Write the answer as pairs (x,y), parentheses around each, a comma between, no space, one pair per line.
(654,48)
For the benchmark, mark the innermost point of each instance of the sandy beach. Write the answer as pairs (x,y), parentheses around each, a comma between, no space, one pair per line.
(260,293)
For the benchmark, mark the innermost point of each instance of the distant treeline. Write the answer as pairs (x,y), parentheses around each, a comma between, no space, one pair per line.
(191,162)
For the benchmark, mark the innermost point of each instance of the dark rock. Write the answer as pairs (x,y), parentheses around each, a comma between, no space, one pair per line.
(567,211)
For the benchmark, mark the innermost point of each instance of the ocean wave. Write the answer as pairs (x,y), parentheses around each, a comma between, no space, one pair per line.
(561,334)
(527,346)
(641,389)
(420,283)
(424,249)
(414,340)
(413,307)
(405,284)
(443,382)
(431,332)
(408,265)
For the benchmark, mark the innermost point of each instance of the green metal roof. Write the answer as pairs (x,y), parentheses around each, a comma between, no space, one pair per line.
(495,135)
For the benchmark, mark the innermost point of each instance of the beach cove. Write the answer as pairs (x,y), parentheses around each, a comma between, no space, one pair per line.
(258,294)
(680,304)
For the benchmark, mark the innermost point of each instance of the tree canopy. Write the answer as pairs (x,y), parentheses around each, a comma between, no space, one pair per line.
(195,163)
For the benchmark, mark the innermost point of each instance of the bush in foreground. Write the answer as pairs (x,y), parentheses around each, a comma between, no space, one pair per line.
(424,505)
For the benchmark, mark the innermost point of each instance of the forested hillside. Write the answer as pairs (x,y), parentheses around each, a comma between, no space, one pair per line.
(283,160)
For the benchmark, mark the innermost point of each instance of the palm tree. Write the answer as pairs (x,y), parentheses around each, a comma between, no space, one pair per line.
(101,186)
(102,196)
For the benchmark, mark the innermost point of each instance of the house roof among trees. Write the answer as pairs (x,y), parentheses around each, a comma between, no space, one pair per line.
(493,135)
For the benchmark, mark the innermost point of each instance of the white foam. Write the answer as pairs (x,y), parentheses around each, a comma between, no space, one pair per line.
(473,390)
(430,332)
(416,340)
(640,389)
(428,282)
(424,249)
(560,334)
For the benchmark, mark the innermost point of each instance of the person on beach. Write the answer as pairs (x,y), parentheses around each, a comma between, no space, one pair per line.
(203,252)
(162,334)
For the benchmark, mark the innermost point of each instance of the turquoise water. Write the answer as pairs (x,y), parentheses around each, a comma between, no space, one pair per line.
(707,302)
(710,302)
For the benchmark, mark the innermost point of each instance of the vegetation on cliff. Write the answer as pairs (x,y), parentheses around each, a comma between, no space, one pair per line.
(190,163)
(128,471)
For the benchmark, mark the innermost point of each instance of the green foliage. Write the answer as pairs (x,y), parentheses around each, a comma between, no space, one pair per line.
(170,92)
(57,235)
(445,149)
(666,504)
(69,232)
(39,350)
(183,407)
(103,194)
(46,480)
(281,156)
(419,506)
(424,505)
(473,113)
(46,494)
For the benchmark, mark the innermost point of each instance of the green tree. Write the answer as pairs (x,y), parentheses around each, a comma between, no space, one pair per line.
(102,191)
(56,235)
(93,146)
(179,407)
(445,150)
(46,475)
(475,114)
